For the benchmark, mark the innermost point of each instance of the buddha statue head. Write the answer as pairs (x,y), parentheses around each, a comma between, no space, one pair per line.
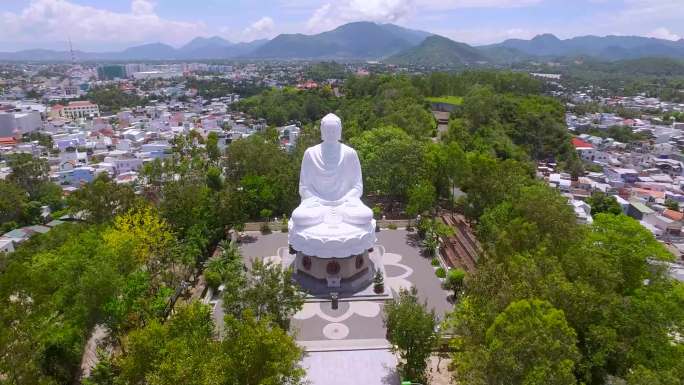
(331,128)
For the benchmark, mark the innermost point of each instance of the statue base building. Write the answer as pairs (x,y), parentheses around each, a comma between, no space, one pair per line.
(323,275)
(333,256)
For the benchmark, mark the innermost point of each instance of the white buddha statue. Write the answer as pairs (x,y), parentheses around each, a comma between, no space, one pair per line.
(331,219)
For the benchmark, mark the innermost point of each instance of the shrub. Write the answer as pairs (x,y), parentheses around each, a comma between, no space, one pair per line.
(213,279)
(283,224)
(434,262)
(422,226)
(265,228)
(377,210)
(266,214)
(392,226)
(455,277)
(378,283)
(454,281)
(440,272)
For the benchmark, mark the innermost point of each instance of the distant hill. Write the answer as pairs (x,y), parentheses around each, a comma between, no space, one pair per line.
(217,48)
(154,51)
(504,55)
(359,40)
(199,43)
(605,48)
(438,51)
(197,49)
(413,36)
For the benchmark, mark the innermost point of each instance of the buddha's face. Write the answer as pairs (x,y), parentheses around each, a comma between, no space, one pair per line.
(331,129)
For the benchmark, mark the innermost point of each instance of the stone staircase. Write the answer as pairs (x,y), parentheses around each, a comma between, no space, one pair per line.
(462,249)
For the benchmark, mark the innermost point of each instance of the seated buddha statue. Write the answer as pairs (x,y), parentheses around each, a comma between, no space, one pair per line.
(331,211)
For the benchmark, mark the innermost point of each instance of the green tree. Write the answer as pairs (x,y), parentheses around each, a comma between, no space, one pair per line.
(66,279)
(112,98)
(454,281)
(12,201)
(672,204)
(421,198)
(32,212)
(266,214)
(28,172)
(42,139)
(391,160)
(531,343)
(213,151)
(271,293)
(411,331)
(255,351)
(51,195)
(214,178)
(522,223)
(608,283)
(489,182)
(252,352)
(227,268)
(135,305)
(266,175)
(600,202)
(100,200)
(145,235)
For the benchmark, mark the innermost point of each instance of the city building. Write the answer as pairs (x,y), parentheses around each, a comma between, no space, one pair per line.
(76,110)
(17,123)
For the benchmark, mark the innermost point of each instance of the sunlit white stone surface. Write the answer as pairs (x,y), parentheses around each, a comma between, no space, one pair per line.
(331,220)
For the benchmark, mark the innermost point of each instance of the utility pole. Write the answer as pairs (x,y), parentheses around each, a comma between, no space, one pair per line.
(71,51)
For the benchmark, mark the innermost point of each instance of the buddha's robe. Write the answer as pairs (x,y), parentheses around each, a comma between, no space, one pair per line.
(331,186)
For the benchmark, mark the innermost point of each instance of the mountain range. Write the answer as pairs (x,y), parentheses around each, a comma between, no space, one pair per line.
(606,47)
(388,42)
(197,49)
(359,40)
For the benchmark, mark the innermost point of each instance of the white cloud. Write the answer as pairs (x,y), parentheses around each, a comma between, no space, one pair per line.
(641,16)
(454,4)
(331,15)
(142,7)
(56,20)
(663,33)
(262,28)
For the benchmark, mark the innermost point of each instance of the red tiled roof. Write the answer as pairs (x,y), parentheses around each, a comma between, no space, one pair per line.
(646,192)
(80,103)
(8,140)
(579,143)
(674,215)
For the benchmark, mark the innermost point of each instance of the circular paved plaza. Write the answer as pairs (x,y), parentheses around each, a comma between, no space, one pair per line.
(359,322)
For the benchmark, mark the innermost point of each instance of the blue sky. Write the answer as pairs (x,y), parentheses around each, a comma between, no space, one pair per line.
(99,25)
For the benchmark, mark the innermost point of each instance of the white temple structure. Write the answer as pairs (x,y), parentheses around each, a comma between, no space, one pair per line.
(332,231)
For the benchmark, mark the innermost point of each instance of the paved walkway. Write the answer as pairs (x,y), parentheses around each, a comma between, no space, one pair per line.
(423,277)
(362,367)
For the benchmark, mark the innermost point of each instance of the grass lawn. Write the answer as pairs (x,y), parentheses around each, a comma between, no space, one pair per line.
(455,100)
